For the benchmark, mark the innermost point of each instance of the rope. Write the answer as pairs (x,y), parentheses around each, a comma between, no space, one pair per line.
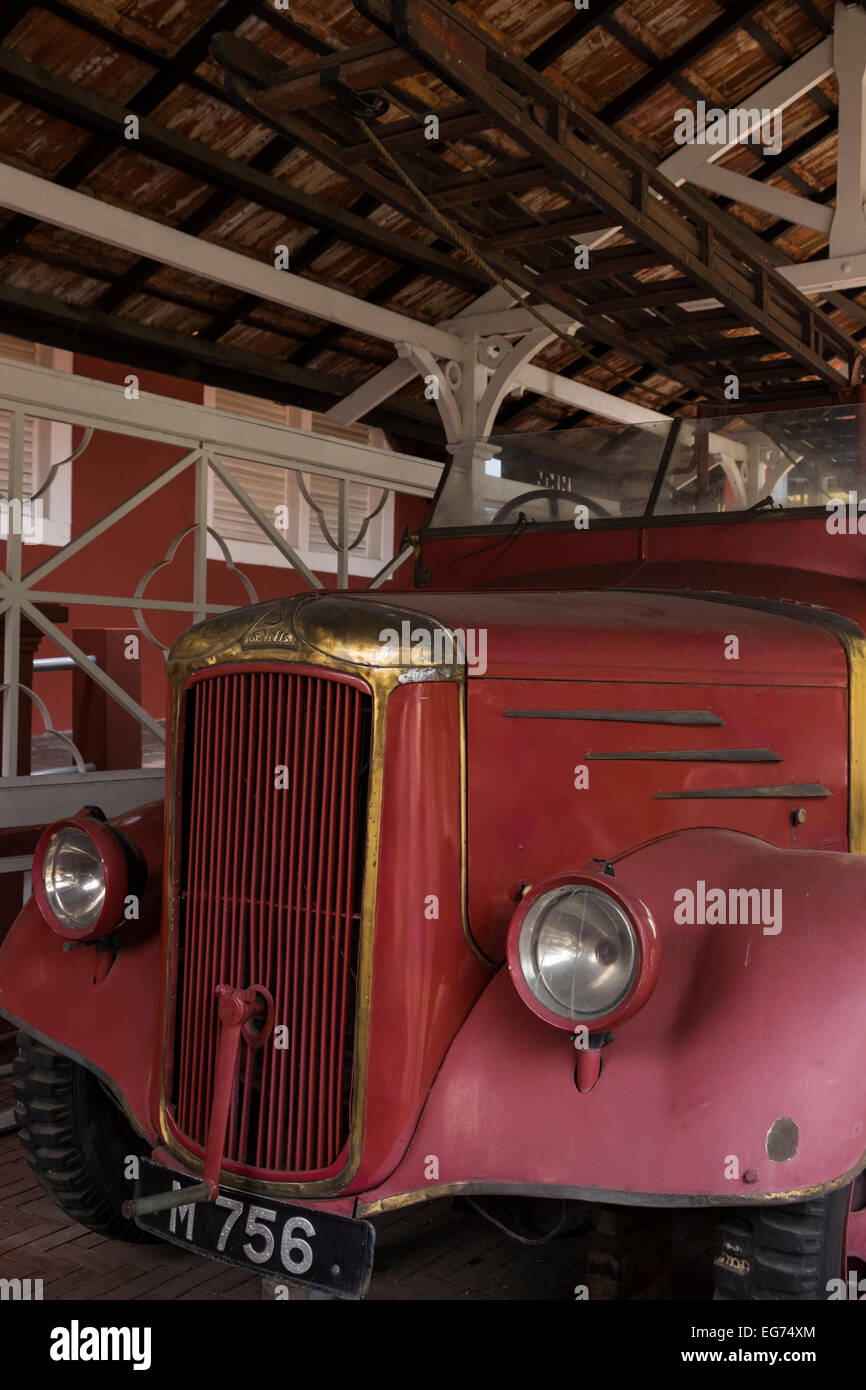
(454,233)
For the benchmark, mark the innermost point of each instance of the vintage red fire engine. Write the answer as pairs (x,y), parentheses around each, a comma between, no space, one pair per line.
(569,906)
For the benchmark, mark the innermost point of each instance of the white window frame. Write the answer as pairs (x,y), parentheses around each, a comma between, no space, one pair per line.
(301,519)
(52,441)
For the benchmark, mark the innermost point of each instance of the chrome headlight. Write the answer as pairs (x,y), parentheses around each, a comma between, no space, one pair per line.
(580,952)
(74,878)
(83,870)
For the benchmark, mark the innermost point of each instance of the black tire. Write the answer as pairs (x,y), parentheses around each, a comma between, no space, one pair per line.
(787,1253)
(76,1139)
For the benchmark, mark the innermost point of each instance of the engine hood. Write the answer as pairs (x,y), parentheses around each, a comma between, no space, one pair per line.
(626,636)
(610,635)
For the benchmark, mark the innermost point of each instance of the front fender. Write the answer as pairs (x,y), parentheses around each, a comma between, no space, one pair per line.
(109,1024)
(748,1027)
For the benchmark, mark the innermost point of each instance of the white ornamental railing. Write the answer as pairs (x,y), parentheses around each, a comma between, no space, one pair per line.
(207,440)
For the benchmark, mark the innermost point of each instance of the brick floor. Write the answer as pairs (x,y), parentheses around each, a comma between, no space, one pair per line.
(437,1251)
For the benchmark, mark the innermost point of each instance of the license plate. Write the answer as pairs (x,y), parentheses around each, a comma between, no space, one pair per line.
(299,1245)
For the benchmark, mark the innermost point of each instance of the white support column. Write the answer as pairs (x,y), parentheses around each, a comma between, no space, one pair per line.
(466,484)
(343,534)
(373,391)
(518,373)
(470,392)
(790,207)
(848,232)
(828,273)
(493,313)
(776,95)
(199,576)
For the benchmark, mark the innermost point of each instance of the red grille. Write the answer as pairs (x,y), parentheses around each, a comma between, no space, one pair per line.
(269,893)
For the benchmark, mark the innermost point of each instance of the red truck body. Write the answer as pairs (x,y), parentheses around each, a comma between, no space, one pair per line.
(614,730)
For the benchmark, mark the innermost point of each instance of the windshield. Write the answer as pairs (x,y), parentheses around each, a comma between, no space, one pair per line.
(781,459)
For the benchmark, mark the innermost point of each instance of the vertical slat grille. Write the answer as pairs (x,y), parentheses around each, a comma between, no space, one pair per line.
(272,816)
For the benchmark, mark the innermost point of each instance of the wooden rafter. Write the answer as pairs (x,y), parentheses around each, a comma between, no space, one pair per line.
(99,115)
(130,342)
(640,312)
(181,68)
(731,18)
(564,147)
(570,33)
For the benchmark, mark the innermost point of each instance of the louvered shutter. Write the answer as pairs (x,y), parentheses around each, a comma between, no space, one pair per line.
(271,487)
(263,483)
(353,434)
(325,493)
(18,351)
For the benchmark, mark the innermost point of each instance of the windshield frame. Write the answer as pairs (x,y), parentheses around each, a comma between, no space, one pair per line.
(763,508)
(625,523)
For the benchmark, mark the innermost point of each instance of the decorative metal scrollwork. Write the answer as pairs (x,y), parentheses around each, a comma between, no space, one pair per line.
(169,556)
(49,724)
(61,463)
(323,525)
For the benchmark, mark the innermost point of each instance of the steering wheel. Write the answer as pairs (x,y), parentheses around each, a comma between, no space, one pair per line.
(552,495)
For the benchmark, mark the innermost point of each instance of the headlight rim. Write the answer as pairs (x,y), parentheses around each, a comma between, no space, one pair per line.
(115,867)
(647,943)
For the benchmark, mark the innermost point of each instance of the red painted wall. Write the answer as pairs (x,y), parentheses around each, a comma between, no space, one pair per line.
(111,469)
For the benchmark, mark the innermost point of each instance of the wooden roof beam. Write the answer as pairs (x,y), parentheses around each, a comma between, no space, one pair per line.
(727,22)
(455,122)
(600,164)
(542,233)
(88,217)
(312,84)
(570,33)
(604,265)
(129,342)
(85,108)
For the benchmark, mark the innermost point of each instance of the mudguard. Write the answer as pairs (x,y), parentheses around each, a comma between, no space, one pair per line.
(111,1023)
(742,1079)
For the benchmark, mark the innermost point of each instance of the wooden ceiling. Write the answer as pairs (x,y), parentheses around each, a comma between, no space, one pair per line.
(71,69)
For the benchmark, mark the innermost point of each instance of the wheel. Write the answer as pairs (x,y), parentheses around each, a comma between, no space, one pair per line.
(76,1139)
(792,1252)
